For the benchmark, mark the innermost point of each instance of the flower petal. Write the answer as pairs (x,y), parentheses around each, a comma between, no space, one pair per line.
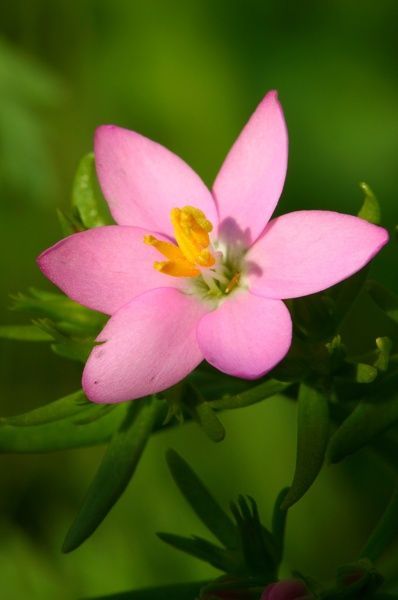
(307,251)
(251,179)
(142,181)
(104,268)
(149,345)
(246,336)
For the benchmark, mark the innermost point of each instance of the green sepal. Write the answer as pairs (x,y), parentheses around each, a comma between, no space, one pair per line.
(265,390)
(178,591)
(87,200)
(203,413)
(345,293)
(68,223)
(116,469)
(384,346)
(385,532)
(213,384)
(227,561)
(61,435)
(24,333)
(363,324)
(312,439)
(356,580)
(63,408)
(370,209)
(370,418)
(201,501)
(365,373)
(384,298)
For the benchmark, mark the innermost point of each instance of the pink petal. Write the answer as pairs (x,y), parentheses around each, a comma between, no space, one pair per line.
(246,336)
(142,181)
(251,179)
(104,268)
(307,251)
(149,345)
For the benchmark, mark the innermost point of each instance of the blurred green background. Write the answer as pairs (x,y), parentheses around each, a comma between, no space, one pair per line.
(187,74)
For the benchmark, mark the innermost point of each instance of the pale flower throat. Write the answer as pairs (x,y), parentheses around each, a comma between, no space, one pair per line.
(213,273)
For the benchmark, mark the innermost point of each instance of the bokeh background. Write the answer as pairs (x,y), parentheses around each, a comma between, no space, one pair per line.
(187,74)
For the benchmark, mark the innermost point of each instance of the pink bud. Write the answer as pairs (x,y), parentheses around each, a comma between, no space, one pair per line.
(292,589)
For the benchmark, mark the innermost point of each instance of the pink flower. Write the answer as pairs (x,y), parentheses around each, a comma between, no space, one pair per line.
(188,274)
(292,589)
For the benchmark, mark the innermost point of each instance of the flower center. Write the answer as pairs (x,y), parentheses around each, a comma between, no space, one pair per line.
(194,256)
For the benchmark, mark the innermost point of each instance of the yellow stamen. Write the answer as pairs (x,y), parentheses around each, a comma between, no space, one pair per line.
(191,230)
(176,269)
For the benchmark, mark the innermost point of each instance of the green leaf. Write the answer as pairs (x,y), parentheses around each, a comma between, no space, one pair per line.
(385,531)
(312,439)
(178,591)
(370,210)
(279,522)
(265,390)
(87,199)
(24,333)
(258,545)
(60,435)
(225,560)
(369,419)
(60,409)
(69,316)
(115,471)
(201,501)
(384,298)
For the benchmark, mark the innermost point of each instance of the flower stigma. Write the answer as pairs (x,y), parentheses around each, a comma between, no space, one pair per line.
(213,272)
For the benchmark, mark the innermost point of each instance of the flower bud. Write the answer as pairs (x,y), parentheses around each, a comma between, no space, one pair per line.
(292,589)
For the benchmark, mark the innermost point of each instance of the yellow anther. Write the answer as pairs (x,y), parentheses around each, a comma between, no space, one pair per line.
(191,230)
(169,250)
(177,268)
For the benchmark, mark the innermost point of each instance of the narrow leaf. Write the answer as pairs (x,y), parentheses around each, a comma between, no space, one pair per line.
(219,558)
(368,420)
(312,439)
(256,394)
(258,545)
(178,591)
(60,409)
(115,471)
(86,195)
(60,310)
(201,501)
(61,435)
(385,532)
(370,210)
(24,333)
